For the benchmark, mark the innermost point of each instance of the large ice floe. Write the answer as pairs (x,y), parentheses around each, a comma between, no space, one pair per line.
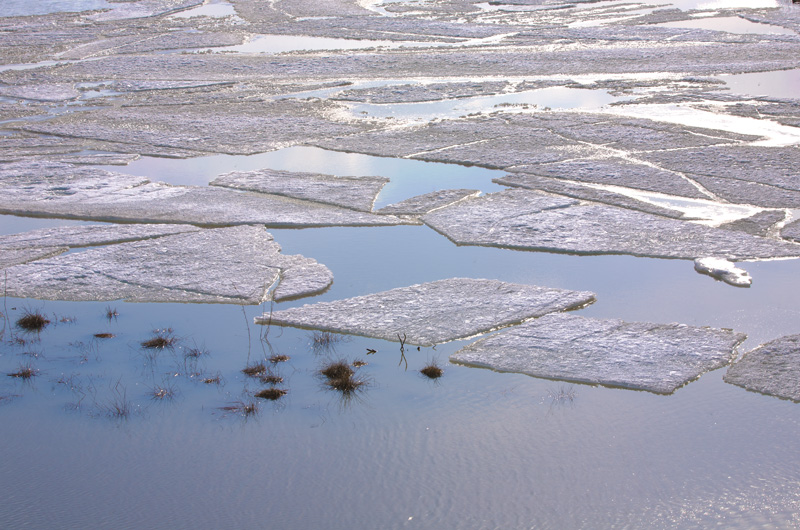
(89,193)
(166,264)
(772,368)
(529,220)
(432,313)
(358,193)
(637,355)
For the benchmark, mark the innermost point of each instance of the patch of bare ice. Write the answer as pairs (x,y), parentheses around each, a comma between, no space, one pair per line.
(658,358)
(432,313)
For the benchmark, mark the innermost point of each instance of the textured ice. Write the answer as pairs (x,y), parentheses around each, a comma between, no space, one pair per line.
(85,236)
(654,357)
(763,176)
(422,204)
(358,193)
(43,92)
(432,313)
(616,171)
(528,220)
(218,126)
(15,256)
(772,368)
(143,9)
(791,231)
(758,224)
(224,265)
(580,191)
(89,193)
(724,270)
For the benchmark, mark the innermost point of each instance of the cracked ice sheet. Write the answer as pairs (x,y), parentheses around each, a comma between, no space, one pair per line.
(658,358)
(772,368)
(432,313)
(422,204)
(223,265)
(85,236)
(88,193)
(581,191)
(17,256)
(221,125)
(358,193)
(745,174)
(528,220)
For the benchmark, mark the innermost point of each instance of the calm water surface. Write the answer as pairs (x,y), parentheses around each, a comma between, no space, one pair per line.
(478,449)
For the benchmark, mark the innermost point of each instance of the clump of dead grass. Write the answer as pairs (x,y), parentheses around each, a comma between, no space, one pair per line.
(432,370)
(340,376)
(32,321)
(242,408)
(104,335)
(25,371)
(273,394)
(255,370)
(162,339)
(275,359)
(271,379)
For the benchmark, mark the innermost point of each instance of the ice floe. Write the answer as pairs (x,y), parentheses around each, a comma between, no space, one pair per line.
(89,193)
(432,313)
(528,220)
(86,236)
(772,368)
(758,224)
(224,265)
(16,256)
(422,204)
(358,193)
(724,270)
(654,357)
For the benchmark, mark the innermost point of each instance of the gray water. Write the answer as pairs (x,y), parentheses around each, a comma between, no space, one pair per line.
(477,449)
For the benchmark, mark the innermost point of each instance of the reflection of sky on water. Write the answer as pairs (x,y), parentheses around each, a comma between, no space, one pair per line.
(408,177)
(777,84)
(729,24)
(12,8)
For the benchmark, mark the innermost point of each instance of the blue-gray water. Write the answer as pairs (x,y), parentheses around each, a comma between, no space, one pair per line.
(478,449)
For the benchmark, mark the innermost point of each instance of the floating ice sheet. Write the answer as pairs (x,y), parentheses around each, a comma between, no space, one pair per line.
(16,256)
(724,270)
(422,204)
(763,176)
(85,236)
(791,231)
(580,191)
(358,193)
(654,357)
(432,313)
(528,220)
(758,224)
(89,193)
(772,368)
(224,265)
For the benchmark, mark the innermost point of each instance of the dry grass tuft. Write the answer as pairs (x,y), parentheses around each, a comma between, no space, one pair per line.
(255,370)
(25,372)
(104,335)
(432,370)
(271,379)
(272,394)
(337,370)
(32,321)
(245,409)
(111,313)
(163,339)
(275,359)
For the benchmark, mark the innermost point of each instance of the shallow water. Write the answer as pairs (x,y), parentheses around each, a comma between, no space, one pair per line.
(730,25)
(777,84)
(521,452)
